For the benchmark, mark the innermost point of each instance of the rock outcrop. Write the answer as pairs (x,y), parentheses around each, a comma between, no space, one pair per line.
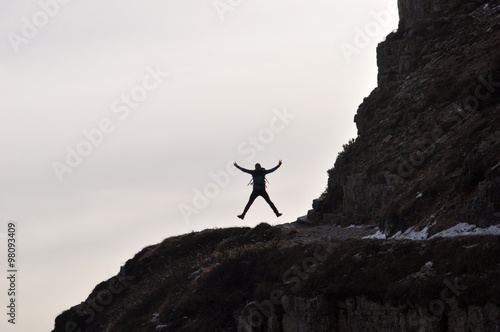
(427,147)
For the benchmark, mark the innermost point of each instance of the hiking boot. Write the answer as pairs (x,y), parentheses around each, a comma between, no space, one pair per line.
(241,216)
(279,214)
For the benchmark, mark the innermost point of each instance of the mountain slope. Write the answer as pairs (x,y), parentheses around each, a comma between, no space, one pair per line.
(426,159)
(280,278)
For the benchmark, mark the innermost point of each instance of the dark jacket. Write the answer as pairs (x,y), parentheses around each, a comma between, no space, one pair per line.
(258,176)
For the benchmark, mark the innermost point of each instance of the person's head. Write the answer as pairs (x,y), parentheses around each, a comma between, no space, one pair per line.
(257,166)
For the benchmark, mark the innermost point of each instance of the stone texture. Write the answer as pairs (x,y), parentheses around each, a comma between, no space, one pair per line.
(430,128)
(360,314)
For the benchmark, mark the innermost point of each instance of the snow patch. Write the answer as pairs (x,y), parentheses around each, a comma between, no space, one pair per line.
(462,229)
(156,318)
(412,234)
(465,229)
(161,326)
(156,321)
(356,226)
(379,236)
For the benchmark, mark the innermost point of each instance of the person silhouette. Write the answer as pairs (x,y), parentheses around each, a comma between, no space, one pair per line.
(259,186)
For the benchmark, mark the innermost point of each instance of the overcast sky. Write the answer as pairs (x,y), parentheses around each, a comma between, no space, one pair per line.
(121,120)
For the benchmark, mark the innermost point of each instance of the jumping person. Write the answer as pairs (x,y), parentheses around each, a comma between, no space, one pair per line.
(259,186)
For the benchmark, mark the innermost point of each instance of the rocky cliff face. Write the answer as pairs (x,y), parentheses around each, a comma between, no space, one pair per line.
(360,314)
(426,157)
(428,137)
(283,279)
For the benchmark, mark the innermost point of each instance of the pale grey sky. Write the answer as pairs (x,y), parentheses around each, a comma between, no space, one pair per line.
(121,120)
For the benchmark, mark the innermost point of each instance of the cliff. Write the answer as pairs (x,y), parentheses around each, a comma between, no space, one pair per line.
(425,161)
(284,278)
(427,147)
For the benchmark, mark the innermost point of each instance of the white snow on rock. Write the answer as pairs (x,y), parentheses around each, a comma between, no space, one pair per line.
(462,229)
(412,234)
(379,236)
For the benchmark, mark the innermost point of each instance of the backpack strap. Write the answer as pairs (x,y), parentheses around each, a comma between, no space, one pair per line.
(251,181)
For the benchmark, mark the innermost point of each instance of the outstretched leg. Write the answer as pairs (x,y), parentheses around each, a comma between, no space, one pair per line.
(265,195)
(252,198)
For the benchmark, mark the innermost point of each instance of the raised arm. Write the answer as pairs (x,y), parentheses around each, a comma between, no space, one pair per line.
(274,168)
(242,169)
